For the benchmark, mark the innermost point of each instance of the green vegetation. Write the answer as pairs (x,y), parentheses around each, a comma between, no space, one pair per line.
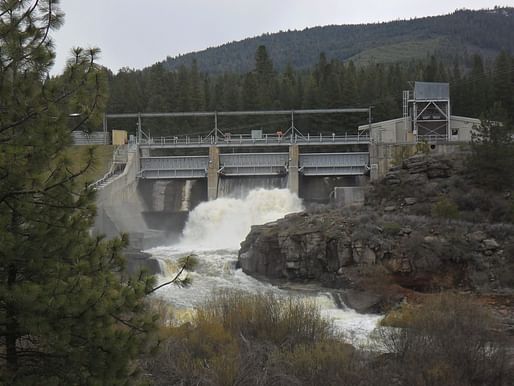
(492,158)
(475,89)
(244,339)
(448,340)
(455,35)
(238,338)
(68,316)
(391,228)
(79,155)
(445,208)
(398,52)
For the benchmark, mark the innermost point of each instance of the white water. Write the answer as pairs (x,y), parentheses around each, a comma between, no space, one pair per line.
(225,222)
(214,231)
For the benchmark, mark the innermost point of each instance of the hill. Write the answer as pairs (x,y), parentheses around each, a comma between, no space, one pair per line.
(462,33)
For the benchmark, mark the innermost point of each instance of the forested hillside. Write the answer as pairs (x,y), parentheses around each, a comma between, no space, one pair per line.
(486,86)
(460,34)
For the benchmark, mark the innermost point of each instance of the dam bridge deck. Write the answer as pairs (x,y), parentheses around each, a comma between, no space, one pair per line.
(266,162)
(257,154)
(247,140)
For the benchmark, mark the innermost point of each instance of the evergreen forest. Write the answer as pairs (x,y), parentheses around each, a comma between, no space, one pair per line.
(475,92)
(457,35)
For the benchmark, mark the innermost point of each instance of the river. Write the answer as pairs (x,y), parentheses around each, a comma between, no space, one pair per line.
(213,233)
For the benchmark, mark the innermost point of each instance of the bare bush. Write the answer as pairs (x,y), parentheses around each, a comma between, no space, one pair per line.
(267,317)
(448,341)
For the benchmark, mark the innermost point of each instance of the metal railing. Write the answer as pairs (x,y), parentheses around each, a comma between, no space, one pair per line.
(118,163)
(94,138)
(247,139)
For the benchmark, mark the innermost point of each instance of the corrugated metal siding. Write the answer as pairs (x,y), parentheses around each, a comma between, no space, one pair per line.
(94,138)
(431,91)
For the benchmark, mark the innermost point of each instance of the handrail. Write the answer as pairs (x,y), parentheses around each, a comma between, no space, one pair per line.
(113,169)
(234,139)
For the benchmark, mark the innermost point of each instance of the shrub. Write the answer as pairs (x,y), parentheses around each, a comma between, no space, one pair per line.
(325,363)
(448,341)
(391,228)
(236,338)
(445,208)
(401,153)
(400,317)
(267,317)
(422,148)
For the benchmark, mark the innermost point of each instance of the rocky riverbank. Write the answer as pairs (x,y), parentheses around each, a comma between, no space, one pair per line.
(424,228)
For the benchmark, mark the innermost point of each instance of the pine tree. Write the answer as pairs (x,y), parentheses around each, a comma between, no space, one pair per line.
(67,315)
(503,82)
(492,151)
(477,98)
(198,97)
(265,77)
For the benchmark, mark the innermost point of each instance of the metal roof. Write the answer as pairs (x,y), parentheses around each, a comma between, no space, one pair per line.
(431,91)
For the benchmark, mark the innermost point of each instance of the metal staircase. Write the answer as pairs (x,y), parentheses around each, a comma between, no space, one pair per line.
(118,163)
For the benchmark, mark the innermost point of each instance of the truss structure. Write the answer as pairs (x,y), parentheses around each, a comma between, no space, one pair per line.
(429,108)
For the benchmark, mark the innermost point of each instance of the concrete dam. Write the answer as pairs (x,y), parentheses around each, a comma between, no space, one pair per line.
(164,179)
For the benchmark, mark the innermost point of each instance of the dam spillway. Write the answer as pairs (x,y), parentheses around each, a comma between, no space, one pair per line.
(294,158)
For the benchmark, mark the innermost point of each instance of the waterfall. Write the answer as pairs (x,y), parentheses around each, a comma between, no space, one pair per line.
(240,187)
(225,222)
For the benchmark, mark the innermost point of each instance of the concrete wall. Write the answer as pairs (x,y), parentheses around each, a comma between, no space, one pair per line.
(383,156)
(392,131)
(462,128)
(320,190)
(349,196)
(120,209)
(398,131)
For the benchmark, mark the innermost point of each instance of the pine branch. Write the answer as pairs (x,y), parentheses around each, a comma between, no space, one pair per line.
(175,278)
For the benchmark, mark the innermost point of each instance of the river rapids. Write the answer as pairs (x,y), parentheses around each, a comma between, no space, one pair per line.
(213,233)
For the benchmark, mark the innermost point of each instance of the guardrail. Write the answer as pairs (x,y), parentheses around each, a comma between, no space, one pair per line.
(247,139)
(94,138)
(118,162)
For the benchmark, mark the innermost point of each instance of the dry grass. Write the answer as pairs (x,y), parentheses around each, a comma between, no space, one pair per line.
(78,156)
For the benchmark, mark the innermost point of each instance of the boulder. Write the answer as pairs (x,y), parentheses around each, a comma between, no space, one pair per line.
(416,164)
(410,200)
(490,244)
(392,181)
(138,260)
(363,254)
(406,230)
(416,179)
(344,253)
(362,301)
(477,236)
(399,265)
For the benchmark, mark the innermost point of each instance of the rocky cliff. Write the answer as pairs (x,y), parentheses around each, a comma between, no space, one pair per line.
(422,229)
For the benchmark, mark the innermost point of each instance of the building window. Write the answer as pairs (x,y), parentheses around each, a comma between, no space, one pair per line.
(455,132)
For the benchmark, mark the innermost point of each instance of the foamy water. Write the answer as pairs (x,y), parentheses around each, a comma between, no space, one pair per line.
(225,222)
(213,233)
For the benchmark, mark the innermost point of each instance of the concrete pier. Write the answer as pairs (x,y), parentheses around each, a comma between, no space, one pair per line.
(212,172)
(293,178)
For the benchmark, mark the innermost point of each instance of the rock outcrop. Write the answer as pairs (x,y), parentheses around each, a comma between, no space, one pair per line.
(419,253)
(396,241)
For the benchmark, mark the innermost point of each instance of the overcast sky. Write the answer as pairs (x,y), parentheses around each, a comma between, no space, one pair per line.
(136,34)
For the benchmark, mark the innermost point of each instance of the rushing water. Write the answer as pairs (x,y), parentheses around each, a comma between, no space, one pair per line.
(213,233)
